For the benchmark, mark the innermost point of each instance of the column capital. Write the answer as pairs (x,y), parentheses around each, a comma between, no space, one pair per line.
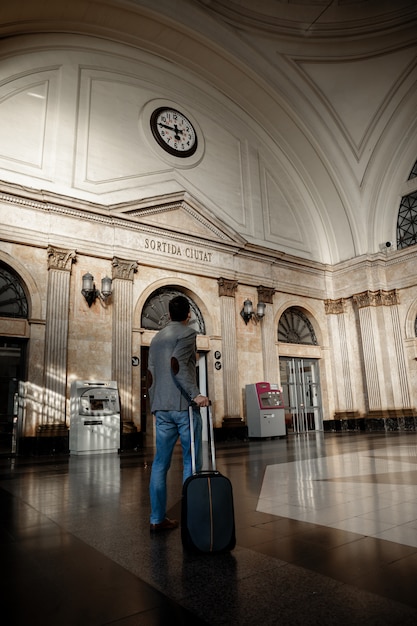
(124,269)
(265,294)
(60,258)
(376,298)
(334,307)
(227,287)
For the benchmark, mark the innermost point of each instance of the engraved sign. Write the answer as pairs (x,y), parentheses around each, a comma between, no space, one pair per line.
(192,253)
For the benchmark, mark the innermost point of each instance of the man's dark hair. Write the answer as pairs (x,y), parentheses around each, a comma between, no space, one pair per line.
(179,307)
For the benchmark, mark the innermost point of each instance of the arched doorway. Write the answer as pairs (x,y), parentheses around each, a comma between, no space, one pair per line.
(300,377)
(154,317)
(13,307)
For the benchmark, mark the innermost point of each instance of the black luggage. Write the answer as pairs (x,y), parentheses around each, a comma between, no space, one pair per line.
(207,513)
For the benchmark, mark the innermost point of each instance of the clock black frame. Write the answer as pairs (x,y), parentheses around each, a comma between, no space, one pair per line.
(178,153)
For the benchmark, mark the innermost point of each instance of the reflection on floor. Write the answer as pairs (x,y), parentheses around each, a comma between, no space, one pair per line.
(326,529)
(370,492)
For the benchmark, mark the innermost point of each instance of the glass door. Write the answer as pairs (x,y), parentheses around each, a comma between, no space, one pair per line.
(12,365)
(300,382)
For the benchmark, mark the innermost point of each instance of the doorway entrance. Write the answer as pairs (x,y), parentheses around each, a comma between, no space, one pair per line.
(300,382)
(12,368)
(155,316)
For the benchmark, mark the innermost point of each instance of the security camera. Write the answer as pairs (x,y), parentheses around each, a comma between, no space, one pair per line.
(386,246)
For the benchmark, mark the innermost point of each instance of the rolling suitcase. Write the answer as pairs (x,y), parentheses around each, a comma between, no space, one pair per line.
(207,513)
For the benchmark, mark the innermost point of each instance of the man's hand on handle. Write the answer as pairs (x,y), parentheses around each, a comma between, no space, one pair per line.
(201,400)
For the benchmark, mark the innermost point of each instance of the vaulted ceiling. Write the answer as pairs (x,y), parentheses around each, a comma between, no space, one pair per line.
(330,85)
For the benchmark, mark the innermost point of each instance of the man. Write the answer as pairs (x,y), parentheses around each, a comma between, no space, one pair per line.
(172,388)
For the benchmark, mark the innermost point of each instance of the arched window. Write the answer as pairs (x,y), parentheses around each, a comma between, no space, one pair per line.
(295,327)
(413,172)
(407,217)
(13,302)
(155,311)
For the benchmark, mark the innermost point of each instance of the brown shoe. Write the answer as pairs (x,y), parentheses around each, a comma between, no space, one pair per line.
(167,524)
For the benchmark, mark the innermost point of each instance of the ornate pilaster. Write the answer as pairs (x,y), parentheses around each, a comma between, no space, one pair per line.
(227,289)
(269,336)
(404,387)
(383,350)
(122,277)
(335,310)
(56,335)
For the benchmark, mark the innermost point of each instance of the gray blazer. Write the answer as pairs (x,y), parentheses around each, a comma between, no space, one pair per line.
(172,368)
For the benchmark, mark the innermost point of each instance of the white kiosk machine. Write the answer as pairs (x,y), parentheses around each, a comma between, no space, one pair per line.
(265,413)
(95,417)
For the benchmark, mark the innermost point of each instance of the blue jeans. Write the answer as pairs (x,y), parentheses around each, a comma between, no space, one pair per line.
(169,426)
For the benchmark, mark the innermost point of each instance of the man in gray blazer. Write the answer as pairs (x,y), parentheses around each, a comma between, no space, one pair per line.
(172,388)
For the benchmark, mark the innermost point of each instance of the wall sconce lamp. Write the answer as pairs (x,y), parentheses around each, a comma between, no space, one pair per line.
(248,313)
(90,292)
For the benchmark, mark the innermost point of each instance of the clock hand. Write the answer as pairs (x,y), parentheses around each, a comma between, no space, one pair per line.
(165,126)
(174,128)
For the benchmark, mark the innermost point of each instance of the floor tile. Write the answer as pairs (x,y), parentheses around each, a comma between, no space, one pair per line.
(325,526)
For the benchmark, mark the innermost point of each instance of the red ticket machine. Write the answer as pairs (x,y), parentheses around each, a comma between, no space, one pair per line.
(265,414)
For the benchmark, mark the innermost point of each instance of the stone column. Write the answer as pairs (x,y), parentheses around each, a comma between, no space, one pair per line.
(341,375)
(122,281)
(269,337)
(368,330)
(386,374)
(56,339)
(227,289)
(403,387)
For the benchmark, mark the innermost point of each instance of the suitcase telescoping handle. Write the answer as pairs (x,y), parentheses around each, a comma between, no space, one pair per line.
(210,435)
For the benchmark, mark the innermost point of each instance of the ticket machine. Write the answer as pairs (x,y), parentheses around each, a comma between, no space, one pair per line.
(265,414)
(95,417)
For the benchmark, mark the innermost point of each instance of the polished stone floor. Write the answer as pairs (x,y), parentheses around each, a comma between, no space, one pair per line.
(326,529)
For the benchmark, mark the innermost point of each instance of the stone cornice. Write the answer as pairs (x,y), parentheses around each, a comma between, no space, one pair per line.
(125,215)
(93,212)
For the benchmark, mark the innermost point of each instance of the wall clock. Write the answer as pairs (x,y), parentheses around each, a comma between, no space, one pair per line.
(174,132)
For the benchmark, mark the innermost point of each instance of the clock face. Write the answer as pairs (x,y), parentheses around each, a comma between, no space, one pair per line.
(174,132)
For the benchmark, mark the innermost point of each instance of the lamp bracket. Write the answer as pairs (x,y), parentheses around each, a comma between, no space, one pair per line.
(90,292)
